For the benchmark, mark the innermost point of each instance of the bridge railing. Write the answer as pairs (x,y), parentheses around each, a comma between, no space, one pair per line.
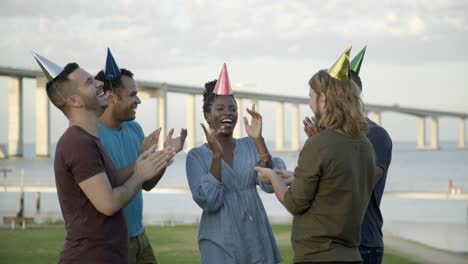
(160,90)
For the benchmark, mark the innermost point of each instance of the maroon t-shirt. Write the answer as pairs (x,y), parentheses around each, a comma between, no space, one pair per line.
(91,236)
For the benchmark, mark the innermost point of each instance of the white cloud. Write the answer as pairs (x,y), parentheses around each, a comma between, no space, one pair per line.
(271,46)
(416,25)
(245,28)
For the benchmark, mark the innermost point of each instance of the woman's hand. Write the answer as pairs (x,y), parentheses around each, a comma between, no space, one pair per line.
(213,142)
(254,130)
(265,174)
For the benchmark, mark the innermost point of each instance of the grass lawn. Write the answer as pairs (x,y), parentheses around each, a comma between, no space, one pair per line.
(172,245)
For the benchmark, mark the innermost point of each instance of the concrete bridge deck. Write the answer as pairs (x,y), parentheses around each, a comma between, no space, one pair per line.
(159,91)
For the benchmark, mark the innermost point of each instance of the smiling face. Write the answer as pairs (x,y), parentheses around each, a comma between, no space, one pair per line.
(223,114)
(125,103)
(91,91)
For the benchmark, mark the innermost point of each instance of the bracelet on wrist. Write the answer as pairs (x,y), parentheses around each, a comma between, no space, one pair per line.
(265,163)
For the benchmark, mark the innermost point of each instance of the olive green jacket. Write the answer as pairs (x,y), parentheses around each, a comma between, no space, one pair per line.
(329,196)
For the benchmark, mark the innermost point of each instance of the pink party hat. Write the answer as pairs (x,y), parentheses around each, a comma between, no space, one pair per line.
(223,85)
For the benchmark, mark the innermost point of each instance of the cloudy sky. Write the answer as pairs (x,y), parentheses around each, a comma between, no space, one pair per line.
(417,50)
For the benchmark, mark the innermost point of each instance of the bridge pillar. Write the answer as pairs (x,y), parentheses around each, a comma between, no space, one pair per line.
(42,119)
(161,95)
(434,144)
(279,126)
(421,139)
(257,105)
(240,121)
(295,136)
(15,116)
(144,93)
(434,133)
(461,134)
(190,121)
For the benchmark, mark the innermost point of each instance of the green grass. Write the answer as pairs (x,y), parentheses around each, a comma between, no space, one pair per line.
(390,258)
(172,245)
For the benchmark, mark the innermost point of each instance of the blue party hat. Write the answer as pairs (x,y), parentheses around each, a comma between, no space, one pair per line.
(112,71)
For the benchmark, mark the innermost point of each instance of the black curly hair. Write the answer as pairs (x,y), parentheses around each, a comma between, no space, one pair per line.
(209,96)
(115,84)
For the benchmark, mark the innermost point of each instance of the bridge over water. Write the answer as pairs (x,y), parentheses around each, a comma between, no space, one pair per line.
(159,91)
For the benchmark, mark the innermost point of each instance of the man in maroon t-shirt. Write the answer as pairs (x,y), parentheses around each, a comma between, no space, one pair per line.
(91,191)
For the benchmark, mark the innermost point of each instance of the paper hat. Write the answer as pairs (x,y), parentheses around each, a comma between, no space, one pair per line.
(356,63)
(223,85)
(340,70)
(50,69)
(112,71)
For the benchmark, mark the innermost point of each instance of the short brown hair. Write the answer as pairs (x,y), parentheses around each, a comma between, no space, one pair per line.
(61,87)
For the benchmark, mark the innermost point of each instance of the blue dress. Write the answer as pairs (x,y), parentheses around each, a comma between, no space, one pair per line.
(234,227)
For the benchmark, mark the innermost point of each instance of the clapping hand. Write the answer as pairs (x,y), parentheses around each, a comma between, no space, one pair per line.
(178,142)
(309,127)
(254,130)
(152,161)
(213,142)
(150,140)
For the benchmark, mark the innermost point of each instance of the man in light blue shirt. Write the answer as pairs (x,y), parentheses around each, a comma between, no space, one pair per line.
(124,139)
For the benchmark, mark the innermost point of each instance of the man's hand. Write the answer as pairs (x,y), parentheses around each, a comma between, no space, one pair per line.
(309,127)
(150,140)
(151,162)
(178,142)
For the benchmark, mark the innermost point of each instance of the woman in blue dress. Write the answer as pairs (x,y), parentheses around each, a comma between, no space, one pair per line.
(234,227)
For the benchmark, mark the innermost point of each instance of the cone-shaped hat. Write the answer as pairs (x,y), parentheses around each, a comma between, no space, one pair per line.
(112,71)
(340,70)
(223,85)
(356,63)
(50,69)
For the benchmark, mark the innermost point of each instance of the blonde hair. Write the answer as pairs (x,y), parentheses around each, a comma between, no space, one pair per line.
(344,108)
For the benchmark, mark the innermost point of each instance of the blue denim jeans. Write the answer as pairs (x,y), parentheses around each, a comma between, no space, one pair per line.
(371,255)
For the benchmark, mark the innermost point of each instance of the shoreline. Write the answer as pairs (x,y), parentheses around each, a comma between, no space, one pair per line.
(183,190)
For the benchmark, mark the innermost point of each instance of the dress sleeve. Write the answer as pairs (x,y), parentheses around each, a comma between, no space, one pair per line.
(278,164)
(303,189)
(207,191)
